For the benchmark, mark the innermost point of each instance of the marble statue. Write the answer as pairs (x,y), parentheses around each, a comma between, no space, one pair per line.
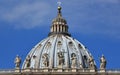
(91,63)
(61,58)
(28,61)
(17,62)
(45,59)
(102,62)
(74,60)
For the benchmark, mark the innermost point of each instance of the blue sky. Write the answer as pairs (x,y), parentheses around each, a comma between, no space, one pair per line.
(95,23)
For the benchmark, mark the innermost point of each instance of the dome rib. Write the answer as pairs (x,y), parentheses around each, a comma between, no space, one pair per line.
(68,65)
(54,54)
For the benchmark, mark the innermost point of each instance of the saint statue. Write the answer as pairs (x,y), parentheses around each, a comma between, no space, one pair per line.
(61,58)
(17,62)
(28,61)
(103,62)
(91,63)
(74,60)
(45,59)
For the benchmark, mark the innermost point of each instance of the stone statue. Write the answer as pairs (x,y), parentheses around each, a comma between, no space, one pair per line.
(17,62)
(45,59)
(91,63)
(74,60)
(28,61)
(61,58)
(102,62)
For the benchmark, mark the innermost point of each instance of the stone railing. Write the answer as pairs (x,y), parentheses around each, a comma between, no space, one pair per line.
(7,71)
(113,70)
(56,70)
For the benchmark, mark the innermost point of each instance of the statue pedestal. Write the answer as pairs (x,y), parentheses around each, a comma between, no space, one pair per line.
(102,70)
(27,70)
(92,70)
(46,70)
(60,66)
(74,70)
(66,70)
(17,70)
(59,70)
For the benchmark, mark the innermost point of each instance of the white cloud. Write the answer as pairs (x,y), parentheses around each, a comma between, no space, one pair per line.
(87,16)
(90,17)
(26,15)
(109,1)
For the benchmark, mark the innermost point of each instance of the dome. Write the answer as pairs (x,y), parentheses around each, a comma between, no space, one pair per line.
(48,50)
(59,50)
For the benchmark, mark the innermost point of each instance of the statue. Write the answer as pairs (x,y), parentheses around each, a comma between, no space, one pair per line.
(45,59)
(91,63)
(28,61)
(102,62)
(74,60)
(17,62)
(61,58)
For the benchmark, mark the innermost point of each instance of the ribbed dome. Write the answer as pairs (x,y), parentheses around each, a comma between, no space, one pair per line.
(48,50)
(59,50)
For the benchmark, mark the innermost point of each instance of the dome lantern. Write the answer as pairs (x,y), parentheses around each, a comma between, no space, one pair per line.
(59,24)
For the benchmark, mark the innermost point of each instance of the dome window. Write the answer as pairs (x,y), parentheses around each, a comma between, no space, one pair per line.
(70,43)
(34,57)
(59,43)
(49,44)
(79,45)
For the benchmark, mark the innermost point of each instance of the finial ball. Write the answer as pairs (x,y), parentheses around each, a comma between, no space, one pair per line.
(59,8)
